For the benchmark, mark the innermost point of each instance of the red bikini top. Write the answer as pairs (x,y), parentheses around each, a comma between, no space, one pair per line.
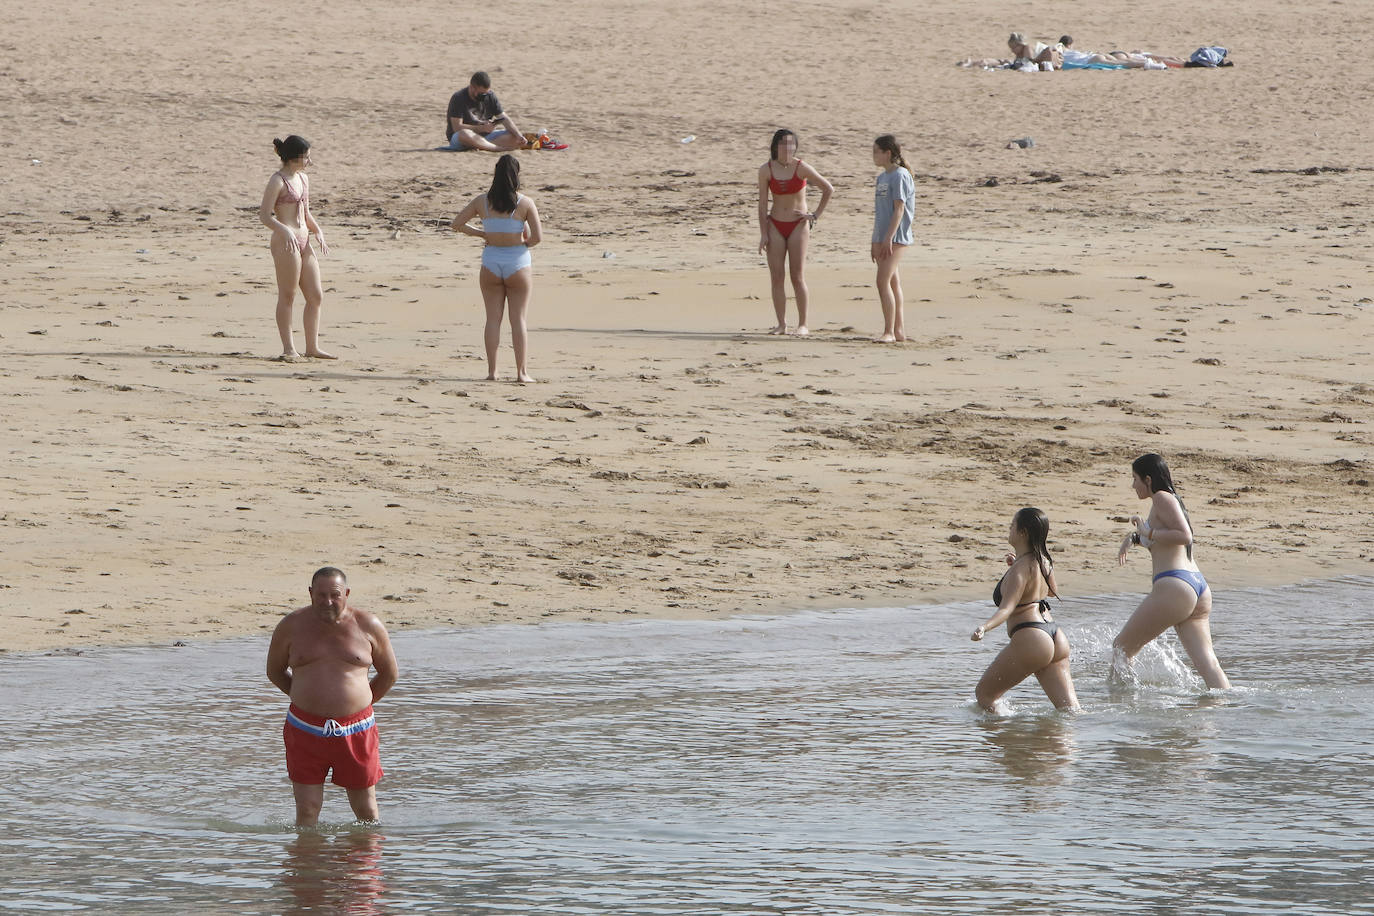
(790,186)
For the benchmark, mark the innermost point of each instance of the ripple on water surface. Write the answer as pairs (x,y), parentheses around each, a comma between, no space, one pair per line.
(814,763)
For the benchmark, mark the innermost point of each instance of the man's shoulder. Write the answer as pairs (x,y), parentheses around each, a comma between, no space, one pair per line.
(366,621)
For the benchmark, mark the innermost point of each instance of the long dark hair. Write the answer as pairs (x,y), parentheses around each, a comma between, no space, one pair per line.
(1036,525)
(888,143)
(505,182)
(293,147)
(1152,467)
(777,138)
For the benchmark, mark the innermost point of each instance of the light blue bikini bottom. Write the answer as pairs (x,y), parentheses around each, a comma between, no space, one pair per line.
(504,260)
(1194,579)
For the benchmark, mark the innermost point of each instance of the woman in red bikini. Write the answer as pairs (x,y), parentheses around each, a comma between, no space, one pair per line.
(786,228)
(286,211)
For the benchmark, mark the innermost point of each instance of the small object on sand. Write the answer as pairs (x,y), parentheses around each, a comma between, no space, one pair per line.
(1023,143)
(688,139)
(991,183)
(608,254)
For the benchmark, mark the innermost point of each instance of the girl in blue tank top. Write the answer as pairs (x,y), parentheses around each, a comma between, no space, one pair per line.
(894,206)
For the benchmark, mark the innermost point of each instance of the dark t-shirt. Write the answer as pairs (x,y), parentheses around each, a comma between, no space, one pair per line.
(462,106)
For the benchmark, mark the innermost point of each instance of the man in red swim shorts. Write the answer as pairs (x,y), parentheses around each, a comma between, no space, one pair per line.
(320,657)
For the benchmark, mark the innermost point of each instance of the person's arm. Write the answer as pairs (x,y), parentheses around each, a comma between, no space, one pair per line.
(458,120)
(310,224)
(827,189)
(465,215)
(763,208)
(1013,584)
(278,659)
(894,221)
(383,659)
(1170,528)
(267,213)
(534,230)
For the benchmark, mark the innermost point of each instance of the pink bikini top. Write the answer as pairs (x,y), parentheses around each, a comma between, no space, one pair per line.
(290,196)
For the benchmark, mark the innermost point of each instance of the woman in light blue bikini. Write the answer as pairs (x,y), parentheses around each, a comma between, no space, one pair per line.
(1179,597)
(510,228)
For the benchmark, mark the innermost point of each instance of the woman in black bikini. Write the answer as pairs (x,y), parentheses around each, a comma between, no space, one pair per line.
(286,211)
(785,230)
(1037,645)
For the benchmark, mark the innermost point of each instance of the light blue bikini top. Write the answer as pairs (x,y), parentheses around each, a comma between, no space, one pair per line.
(501,223)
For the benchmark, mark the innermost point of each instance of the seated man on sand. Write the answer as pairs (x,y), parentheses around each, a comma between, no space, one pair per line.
(476,121)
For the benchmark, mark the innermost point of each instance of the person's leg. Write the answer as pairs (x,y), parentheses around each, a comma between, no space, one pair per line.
(309,800)
(886,268)
(777,276)
(313,290)
(506,140)
(519,289)
(1169,602)
(1020,659)
(364,803)
(796,263)
(1196,635)
(494,298)
(1055,678)
(895,284)
(287,261)
(473,140)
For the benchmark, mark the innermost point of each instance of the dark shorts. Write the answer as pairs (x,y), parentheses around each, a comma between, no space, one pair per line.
(315,745)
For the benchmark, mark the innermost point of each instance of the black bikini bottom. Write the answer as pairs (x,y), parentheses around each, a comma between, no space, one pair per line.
(1050,628)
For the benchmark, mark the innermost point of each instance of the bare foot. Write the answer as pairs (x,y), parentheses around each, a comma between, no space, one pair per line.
(886,338)
(780,329)
(287,357)
(524,379)
(491,376)
(319,354)
(900,336)
(801,331)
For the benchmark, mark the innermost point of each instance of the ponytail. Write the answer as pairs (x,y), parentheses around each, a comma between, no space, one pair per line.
(888,143)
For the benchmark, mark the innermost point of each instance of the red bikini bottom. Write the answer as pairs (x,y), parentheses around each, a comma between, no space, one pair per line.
(786,229)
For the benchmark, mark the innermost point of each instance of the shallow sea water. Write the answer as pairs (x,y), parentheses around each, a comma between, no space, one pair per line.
(823,762)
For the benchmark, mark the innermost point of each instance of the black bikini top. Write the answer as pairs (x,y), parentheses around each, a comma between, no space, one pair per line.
(1044,603)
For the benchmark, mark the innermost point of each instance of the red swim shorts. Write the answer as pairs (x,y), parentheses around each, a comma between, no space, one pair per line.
(315,745)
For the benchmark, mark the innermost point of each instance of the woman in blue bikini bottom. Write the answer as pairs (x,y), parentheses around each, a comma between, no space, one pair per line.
(510,228)
(1179,596)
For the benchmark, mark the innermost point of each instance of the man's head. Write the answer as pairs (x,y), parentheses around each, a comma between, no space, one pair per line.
(329,591)
(480,84)
(1066,40)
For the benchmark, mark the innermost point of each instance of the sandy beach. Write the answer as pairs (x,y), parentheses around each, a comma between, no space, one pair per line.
(1178,265)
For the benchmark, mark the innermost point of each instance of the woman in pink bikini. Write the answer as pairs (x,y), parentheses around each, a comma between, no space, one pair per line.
(286,211)
(785,228)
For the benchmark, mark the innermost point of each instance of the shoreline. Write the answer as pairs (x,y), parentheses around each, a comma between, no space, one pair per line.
(262,635)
